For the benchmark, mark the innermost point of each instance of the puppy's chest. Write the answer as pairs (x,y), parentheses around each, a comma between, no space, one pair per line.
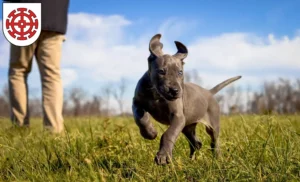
(159,110)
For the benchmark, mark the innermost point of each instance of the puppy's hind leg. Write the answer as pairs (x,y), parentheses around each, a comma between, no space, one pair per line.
(214,141)
(213,130)
(190,132)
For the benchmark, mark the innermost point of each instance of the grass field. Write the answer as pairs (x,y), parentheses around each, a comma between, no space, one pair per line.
(254,148)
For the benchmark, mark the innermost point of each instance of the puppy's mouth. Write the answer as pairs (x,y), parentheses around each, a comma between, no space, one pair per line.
(171,98)
(168,96)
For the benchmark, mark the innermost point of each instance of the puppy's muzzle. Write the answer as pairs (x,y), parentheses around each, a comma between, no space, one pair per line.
(173,92)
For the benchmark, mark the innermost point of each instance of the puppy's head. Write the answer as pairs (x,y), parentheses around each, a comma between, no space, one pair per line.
(166,71)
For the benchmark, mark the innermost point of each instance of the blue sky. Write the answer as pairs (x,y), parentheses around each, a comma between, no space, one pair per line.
(256,39)
(213,17)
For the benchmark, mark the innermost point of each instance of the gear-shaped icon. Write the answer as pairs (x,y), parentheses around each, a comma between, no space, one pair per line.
(22,24)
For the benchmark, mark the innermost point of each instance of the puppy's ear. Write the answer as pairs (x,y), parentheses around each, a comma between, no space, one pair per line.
(182,51)
(155,46)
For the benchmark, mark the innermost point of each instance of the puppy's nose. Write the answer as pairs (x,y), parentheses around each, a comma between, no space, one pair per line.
(173,91)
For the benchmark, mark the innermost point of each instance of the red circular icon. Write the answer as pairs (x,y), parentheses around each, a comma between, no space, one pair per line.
(26,29)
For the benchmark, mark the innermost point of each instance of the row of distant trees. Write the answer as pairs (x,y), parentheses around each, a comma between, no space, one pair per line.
(281,97)
(77,101)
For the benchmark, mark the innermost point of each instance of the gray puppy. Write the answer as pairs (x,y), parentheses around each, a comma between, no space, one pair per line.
(162,93)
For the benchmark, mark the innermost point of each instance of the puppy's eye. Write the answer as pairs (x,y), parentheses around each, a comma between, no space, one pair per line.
(180,72)
(161,71)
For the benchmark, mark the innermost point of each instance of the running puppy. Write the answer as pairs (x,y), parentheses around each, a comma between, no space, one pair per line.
(162,93)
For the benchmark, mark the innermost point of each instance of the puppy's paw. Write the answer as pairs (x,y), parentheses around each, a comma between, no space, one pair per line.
(148,133)
(163,158)
(198,145)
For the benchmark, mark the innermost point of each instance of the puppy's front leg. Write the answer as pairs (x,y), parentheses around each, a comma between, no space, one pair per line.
(168,139)
(142,119)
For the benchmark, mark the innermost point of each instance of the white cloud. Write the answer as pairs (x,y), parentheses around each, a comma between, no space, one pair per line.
(101,50)
(236,51)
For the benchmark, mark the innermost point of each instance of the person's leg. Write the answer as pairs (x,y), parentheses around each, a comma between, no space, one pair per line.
(48,57)
(19,67)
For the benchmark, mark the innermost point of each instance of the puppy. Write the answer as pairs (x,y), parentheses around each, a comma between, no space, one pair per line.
(162,93)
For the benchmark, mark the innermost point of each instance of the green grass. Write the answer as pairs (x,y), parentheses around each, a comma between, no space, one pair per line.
(254,148)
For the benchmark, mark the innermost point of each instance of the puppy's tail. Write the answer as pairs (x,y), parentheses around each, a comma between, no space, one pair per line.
(218,87)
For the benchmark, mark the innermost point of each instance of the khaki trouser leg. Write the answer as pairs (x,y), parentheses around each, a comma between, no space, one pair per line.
(48,56)
(19,67)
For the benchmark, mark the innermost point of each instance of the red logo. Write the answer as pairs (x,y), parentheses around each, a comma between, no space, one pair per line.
(22,24)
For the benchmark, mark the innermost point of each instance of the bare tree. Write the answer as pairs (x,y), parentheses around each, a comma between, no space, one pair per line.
(248,102)
(95,106)
(76,96)
(6,93)
(4,102)
(35,108)
(296,97)
(106,94)
(220,99)
(234,99)
(66,110)
(119,92)
(78,104)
